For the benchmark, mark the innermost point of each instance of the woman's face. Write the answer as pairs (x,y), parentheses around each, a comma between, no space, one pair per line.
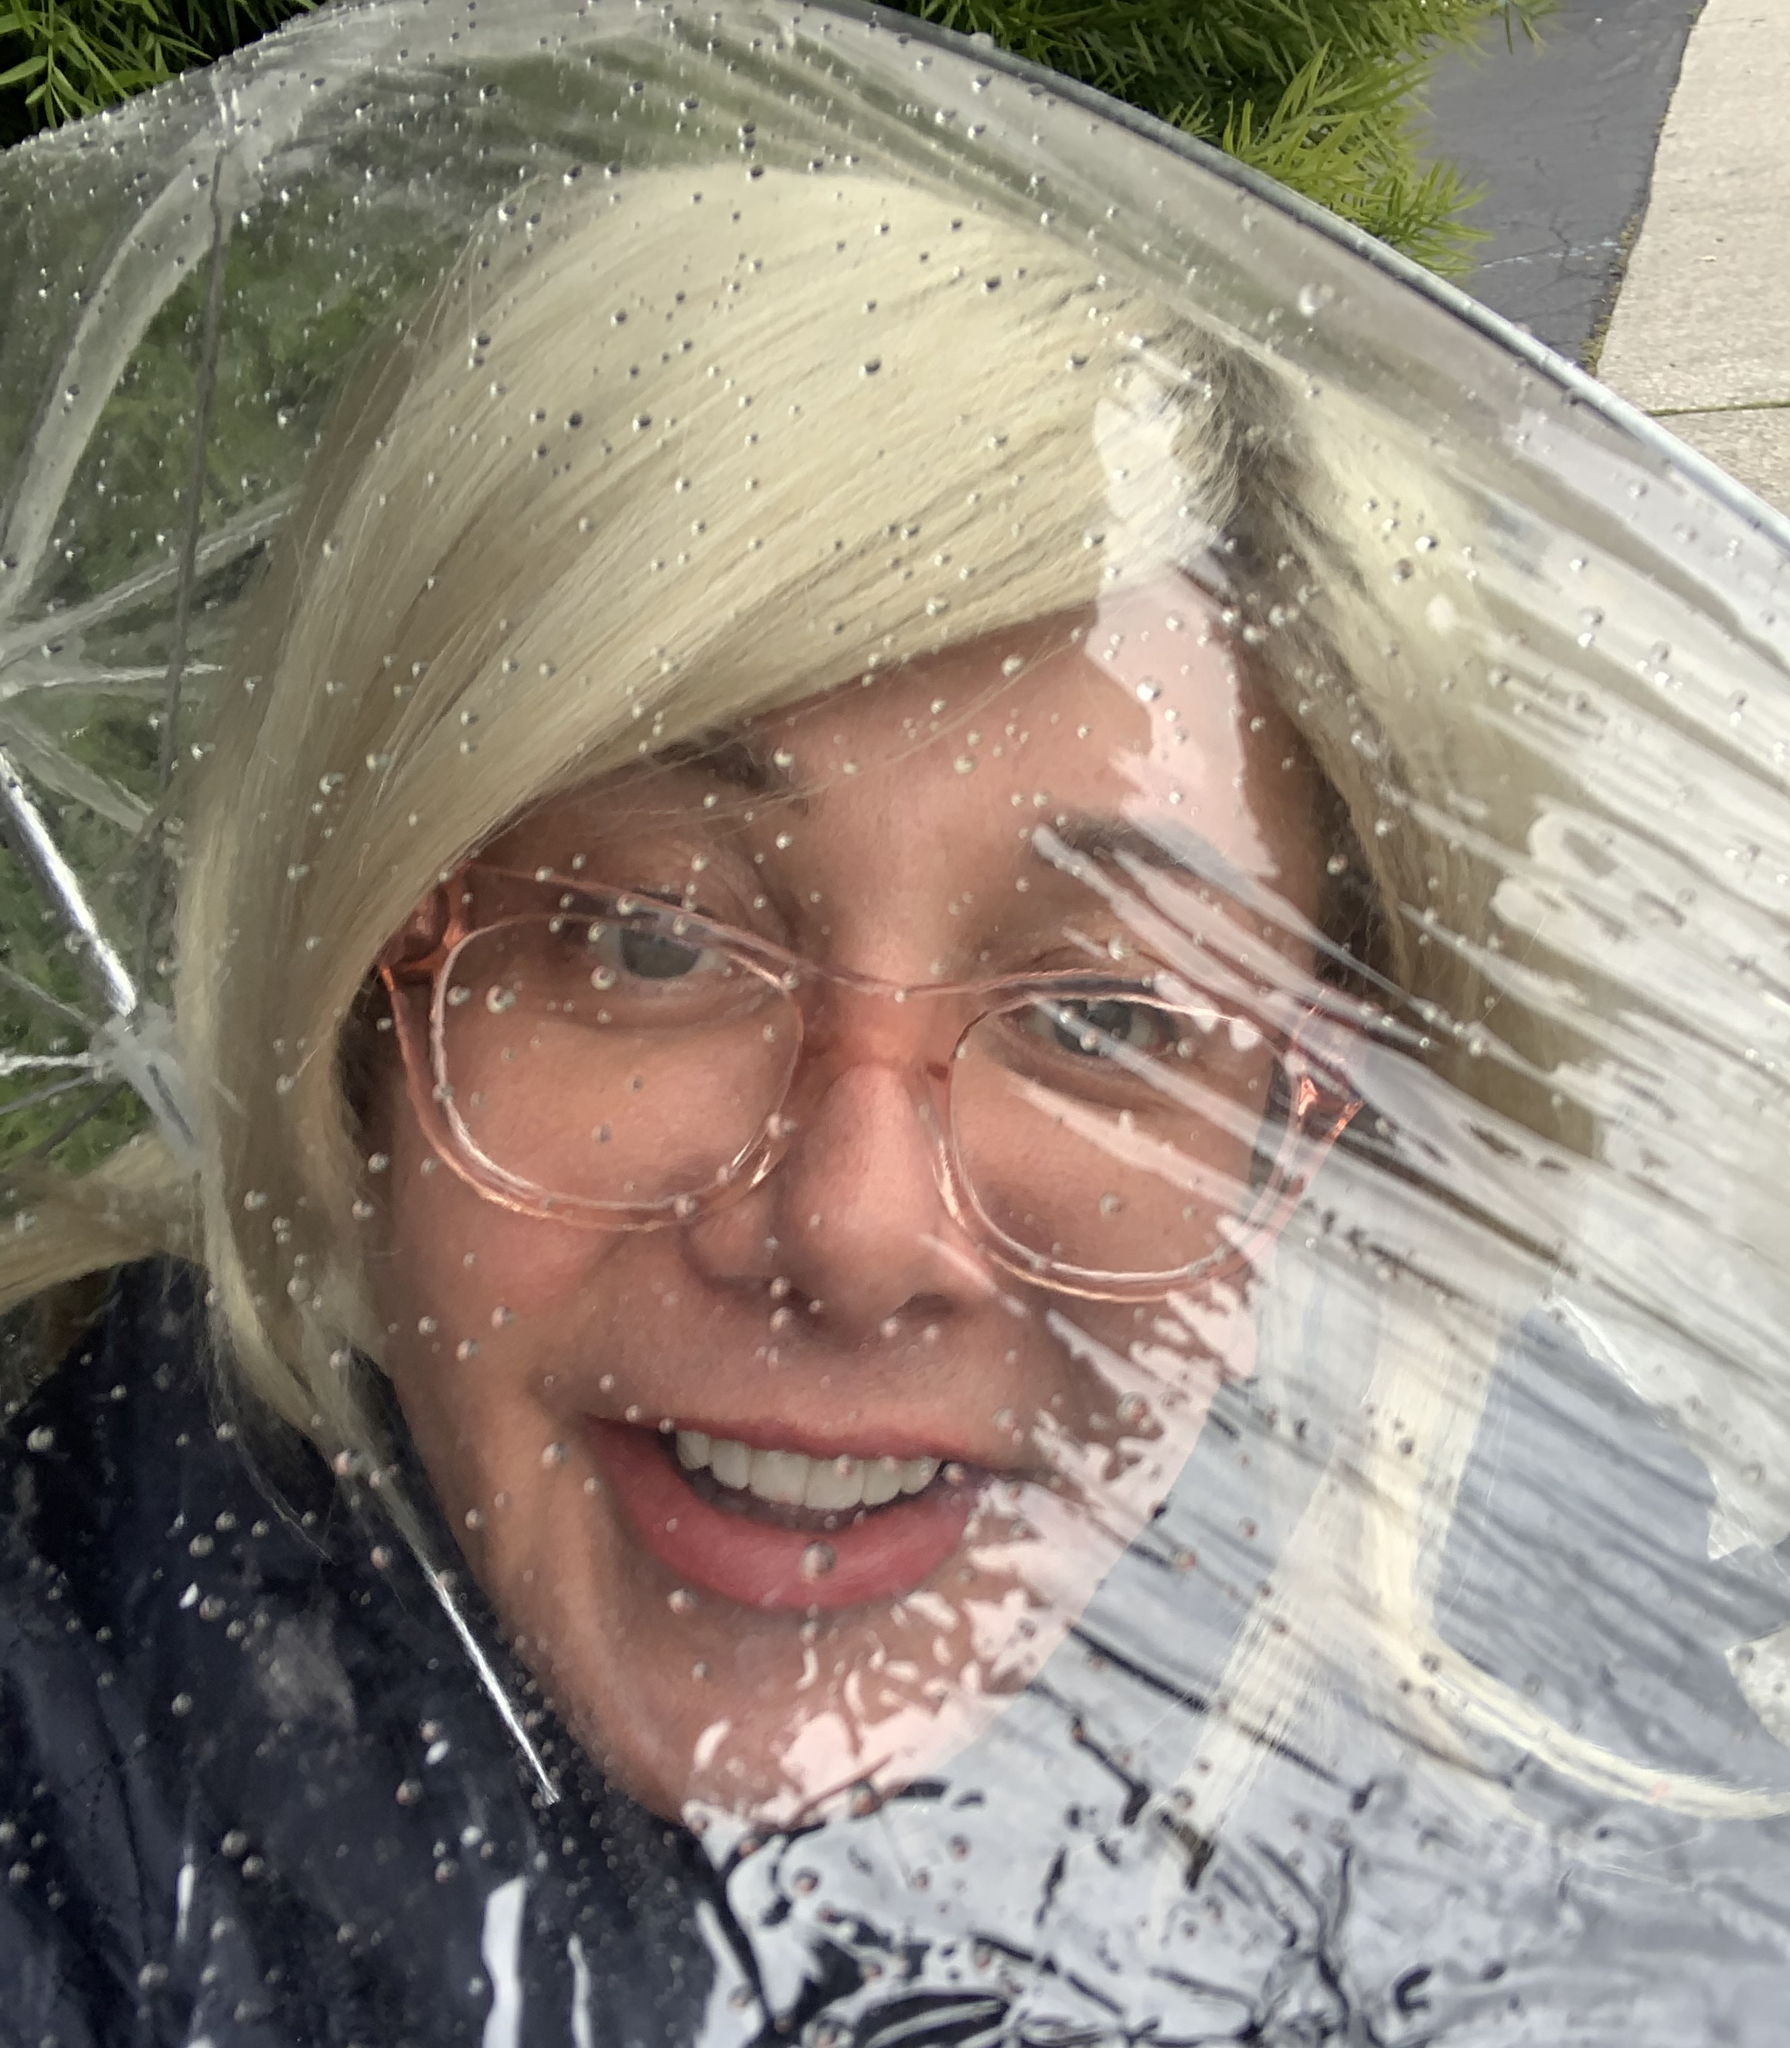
(602,1411)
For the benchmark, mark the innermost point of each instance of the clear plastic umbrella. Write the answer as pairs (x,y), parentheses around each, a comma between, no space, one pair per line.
(1339,751)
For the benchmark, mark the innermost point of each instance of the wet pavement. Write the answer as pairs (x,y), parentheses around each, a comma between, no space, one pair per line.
(1637,166)
(1562,133)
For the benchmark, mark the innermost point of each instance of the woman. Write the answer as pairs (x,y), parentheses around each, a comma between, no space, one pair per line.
(775,940)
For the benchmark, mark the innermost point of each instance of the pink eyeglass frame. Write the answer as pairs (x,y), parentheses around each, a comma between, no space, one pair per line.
(414,971)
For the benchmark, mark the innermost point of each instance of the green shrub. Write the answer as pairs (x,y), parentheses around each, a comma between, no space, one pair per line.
(1318,93)
(1321,94)
(60,59)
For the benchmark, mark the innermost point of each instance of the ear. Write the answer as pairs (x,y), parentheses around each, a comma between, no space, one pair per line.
(410,953)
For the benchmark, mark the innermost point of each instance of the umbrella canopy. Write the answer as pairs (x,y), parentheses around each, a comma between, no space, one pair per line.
(841,678)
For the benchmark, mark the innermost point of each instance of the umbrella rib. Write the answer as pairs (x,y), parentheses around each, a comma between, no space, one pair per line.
(38,849)
(154,888)
(38,1062)
(63,1132)
(22,985)
(79,676)
(38,1096)
(241,536)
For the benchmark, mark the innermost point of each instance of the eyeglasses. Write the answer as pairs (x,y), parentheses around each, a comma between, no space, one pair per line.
(607,1058)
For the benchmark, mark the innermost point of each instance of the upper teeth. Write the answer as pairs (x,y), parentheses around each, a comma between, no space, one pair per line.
(792,1479)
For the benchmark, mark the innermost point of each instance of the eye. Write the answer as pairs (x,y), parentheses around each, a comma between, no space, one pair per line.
(650,952)
(657,956)
(1096,1028)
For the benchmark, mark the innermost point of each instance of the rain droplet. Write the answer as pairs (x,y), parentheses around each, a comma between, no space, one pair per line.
(41,1440)
(1313,298)
(817,1560)
(680,1600)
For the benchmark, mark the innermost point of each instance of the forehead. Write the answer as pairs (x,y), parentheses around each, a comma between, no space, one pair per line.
(1120,703)
(1131,713)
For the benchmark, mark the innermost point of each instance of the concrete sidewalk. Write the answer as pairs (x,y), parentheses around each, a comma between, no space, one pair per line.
(1701,332)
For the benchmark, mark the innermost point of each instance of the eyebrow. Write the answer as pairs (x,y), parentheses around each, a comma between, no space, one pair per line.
(1169,847)
(733,758)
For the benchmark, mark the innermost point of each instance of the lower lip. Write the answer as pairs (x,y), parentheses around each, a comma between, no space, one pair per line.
(891,1551)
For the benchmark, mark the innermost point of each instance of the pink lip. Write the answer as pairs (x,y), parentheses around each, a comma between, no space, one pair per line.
(791,1436)
(887,1553)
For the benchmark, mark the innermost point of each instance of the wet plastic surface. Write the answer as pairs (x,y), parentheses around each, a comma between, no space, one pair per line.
(974,967)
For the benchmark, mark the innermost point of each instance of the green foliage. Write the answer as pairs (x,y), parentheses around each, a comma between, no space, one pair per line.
(60,59)
(1320,94)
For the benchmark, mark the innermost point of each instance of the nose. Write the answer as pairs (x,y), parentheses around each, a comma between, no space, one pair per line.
(853,1220)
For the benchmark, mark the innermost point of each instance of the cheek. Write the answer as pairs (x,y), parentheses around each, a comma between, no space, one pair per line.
(1145,1380)
(465,1281)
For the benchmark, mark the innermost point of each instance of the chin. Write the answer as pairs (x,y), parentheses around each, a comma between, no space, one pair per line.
(717,1711)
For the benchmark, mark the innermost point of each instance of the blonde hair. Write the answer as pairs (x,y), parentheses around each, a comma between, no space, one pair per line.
(671,451)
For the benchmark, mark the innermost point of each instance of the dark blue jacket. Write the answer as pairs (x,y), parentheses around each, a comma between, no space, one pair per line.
(249,1793)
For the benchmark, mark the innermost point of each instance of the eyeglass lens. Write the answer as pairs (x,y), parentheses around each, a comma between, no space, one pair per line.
(629,1060)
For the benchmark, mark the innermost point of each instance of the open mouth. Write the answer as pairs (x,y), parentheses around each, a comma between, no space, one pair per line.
(790,1490)
(778,1529)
